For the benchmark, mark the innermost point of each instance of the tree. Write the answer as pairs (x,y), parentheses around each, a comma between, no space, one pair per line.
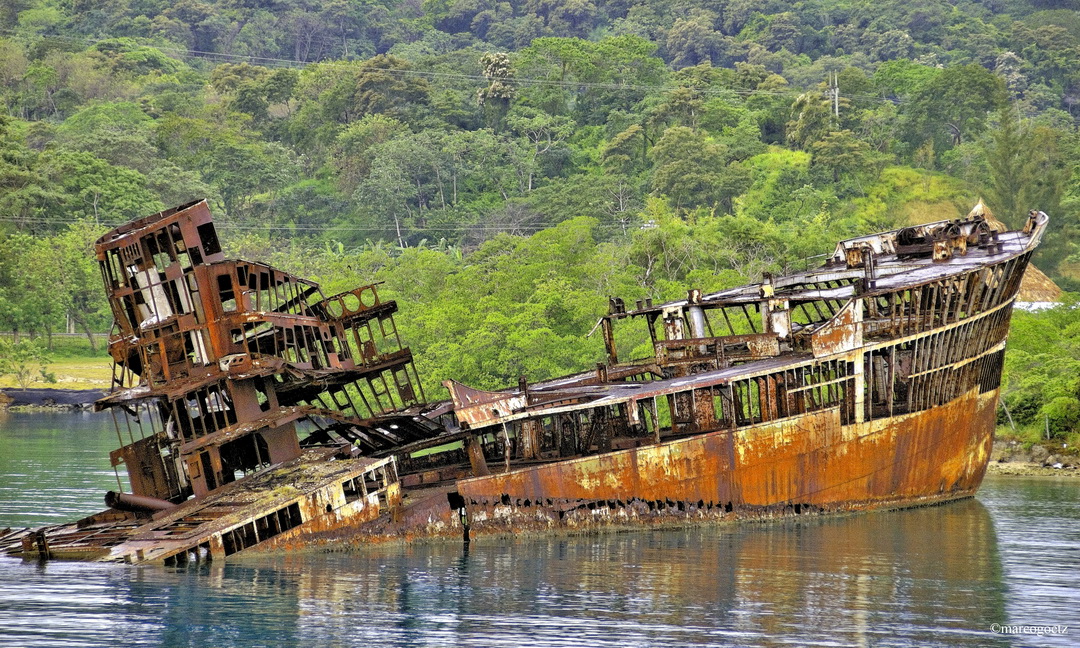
(626,150)
(78,287)
(693,40)
(543,132)
(351,155)
(25,296)
(382,84)
(902,77)
(1027,170)
(20,359)
(496,97)
(953,106)
(588,80)
(241,167)
(118,132)
(811,119)
(93,188)
(694,171)
(841,154)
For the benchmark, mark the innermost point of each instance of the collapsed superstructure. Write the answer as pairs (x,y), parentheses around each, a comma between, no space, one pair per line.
(255,413)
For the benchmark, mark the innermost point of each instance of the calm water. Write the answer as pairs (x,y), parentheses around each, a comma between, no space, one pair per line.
(931,577)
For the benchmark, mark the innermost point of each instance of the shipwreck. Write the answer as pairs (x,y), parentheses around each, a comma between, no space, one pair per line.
(255,413)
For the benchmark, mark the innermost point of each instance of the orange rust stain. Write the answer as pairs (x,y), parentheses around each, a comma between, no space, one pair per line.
(940,451)
(842,333)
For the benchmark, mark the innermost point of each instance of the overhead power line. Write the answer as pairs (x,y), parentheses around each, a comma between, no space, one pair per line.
(225,224)
(185,53)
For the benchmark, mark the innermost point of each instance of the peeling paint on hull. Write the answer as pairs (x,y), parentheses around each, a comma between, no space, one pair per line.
(914,459)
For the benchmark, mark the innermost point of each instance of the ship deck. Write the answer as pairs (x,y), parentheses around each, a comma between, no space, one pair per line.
(236,516)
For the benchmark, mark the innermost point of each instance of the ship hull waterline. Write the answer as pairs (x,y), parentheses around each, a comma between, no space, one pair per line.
(802,465)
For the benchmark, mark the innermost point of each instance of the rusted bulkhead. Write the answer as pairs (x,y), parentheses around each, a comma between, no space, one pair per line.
(871,381)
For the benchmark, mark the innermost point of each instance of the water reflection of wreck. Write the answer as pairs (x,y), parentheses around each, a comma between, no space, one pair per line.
(258,413)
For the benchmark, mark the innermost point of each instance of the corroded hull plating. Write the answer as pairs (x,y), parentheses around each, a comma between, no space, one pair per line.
(802,465)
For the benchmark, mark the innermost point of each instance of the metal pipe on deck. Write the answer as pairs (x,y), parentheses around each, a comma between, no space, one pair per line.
(136,503)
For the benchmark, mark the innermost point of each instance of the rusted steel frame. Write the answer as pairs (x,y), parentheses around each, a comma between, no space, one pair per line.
(821,316)
(399,390)
(816,385)
(608,332)
(1002,289)
(909,405)
(648,407)
(907,311)
(348,404)
(651,318)
(997,346)
(835,305)
(917,325)
(708,321)
(903,310)
(596,420)
(945,352)
(993,280)
(948,313)
(368,427)
(928,348)
(795,391)
(359,354)
(935,300)
(977,336)
(750,320)
(925,344)
(960,335)
(975,291)
(890,386)
(393,325)
(127,422)
(373,410)
(770,407)
(382,329)
(963,294)
(891,300)
(298,298)
(832,306)
(805,312)
(727,320)
(994,296)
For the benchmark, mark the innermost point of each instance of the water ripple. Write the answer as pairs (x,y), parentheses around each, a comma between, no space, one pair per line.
(939,576)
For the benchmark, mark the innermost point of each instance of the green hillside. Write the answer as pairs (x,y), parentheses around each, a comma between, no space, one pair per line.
(505,167)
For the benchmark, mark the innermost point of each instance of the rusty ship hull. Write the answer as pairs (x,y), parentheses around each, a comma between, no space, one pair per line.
(869,382)
(821,467)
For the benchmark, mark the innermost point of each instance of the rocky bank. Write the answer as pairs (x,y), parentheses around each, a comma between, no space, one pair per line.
(1011,458)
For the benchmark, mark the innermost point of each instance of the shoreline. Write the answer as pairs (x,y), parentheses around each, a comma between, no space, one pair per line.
(1010,457)
(52,398)
(1029,469)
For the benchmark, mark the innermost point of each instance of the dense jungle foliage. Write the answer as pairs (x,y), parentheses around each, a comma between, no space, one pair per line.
(504,167)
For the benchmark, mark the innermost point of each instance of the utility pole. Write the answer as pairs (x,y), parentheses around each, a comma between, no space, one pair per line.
(834,92)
